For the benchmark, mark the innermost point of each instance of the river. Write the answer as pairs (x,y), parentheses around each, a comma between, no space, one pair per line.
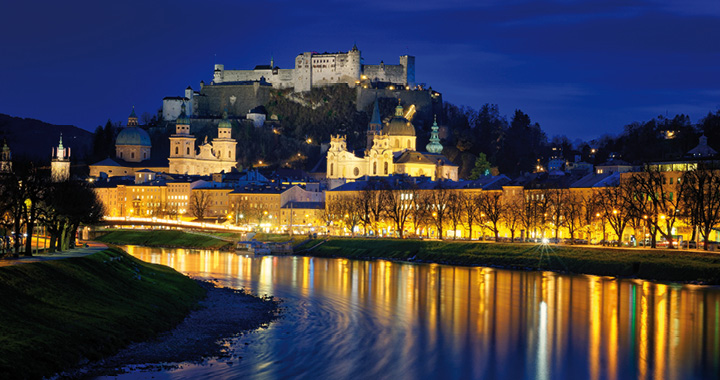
(349,319)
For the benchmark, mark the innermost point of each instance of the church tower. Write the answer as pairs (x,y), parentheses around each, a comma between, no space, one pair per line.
(132,119)
(434,145)
(5,159)
(182,145)
(60,165)
(224,145)
(374,127)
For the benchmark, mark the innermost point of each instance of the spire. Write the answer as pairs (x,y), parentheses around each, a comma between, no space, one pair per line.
(132,119)
(60,147)
(375,119)
(434,146)
(132,114)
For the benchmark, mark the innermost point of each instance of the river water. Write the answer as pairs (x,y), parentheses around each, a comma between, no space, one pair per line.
(348,319)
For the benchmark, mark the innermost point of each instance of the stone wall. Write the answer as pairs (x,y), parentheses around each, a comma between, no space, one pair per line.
(239,99)
(385,73)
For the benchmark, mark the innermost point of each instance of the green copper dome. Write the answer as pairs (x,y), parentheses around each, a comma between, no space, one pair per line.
(225,123)
(182,119)
(131,136)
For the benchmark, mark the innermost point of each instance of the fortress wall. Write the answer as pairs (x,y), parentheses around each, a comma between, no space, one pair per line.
(386,73)
(281,78)
(238,99)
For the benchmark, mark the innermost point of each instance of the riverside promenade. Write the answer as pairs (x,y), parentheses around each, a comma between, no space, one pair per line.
(75,252)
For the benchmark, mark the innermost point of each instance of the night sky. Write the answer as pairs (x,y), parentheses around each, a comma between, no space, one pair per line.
(579,68)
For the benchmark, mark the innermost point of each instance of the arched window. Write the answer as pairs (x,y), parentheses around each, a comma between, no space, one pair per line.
(332,166)
(144,155)
(121,154)
(188,150)
(386,168)
(177,150)
(374,168)
(132,154)
(229,153)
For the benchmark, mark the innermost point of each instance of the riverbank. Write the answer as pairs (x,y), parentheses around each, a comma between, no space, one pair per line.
(656,264)
(58,314)
(168,239)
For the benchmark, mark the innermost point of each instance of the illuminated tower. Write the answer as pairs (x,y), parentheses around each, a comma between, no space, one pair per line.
(224,145)
(60,165)
(5,159)
(182,145)
(434,145)
(374,127)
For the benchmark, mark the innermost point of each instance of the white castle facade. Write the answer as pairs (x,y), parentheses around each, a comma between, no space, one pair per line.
(322,69)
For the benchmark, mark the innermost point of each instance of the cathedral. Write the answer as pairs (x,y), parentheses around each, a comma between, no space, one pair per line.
(213,157)
(391,149)
(133,146)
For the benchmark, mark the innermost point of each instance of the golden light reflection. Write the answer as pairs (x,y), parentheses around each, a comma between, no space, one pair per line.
(507,324)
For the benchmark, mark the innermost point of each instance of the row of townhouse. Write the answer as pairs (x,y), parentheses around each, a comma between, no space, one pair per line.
(533,206)
(271,205)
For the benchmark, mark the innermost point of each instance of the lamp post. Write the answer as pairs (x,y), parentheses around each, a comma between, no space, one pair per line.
(644,236)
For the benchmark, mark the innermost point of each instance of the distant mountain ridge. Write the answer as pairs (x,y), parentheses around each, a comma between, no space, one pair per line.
(33,139)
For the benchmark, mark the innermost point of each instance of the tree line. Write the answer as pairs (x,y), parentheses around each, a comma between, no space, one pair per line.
(30,200)
(650,201)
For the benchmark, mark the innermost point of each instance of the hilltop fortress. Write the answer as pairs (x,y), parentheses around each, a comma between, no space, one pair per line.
(240,91)
(320,69)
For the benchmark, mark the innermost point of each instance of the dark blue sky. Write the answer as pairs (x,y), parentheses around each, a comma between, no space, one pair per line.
(579,68)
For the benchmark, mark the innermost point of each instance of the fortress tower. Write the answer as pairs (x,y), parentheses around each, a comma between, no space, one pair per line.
(60,165)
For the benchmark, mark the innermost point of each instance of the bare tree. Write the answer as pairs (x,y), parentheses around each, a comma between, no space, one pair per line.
(398,203)
(439,197)
(491,206)
(702,198)
(556,203)
(664,200)
(455,210)
(572,214)
(512,216)
(421,209)
(199,204)
(469,203)
(615,203)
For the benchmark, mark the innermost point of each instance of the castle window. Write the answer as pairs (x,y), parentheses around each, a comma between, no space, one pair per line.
(188,150)
(132,154)
(177,150)
(386,168)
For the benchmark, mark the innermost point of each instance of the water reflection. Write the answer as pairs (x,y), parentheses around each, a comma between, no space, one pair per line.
(379,319)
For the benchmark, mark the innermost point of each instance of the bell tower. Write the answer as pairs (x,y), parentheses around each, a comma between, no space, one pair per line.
(60,165)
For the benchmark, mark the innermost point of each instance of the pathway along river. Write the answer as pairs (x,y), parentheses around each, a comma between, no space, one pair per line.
(347,319)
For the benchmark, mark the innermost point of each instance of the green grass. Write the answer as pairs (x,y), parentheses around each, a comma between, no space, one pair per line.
(662,265)
(54,314)
(163,238)
(279,238)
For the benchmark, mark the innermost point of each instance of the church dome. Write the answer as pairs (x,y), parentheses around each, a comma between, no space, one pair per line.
(399,125)
(133,136)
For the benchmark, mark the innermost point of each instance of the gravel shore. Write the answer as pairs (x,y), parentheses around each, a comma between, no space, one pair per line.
(222,315)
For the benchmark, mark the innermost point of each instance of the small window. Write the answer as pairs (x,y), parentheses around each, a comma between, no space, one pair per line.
(386,168)
(188,150)
(177,150)
(132,154)
(356,172)
(332,166)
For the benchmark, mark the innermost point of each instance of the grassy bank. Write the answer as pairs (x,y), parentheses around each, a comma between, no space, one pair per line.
(663,265)
(163,238)
(57,313)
